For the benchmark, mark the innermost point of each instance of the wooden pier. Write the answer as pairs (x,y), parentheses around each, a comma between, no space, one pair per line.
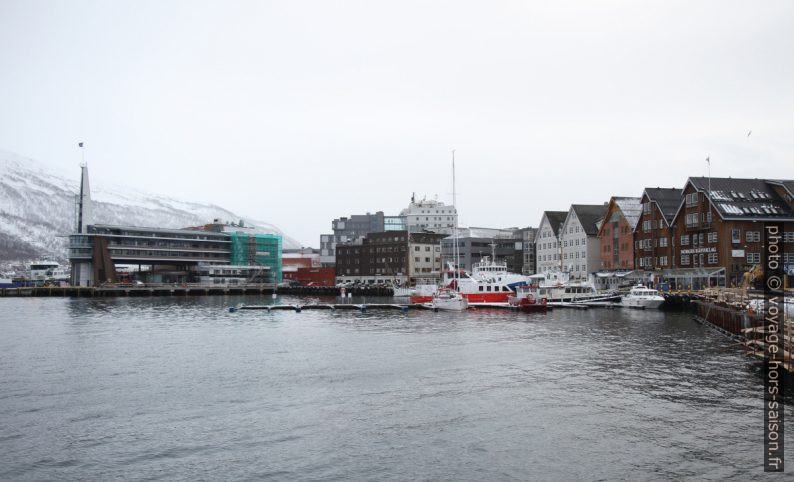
(113,290)
(747,327)
(136,290)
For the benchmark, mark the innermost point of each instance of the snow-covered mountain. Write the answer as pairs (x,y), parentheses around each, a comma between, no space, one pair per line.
(37,210)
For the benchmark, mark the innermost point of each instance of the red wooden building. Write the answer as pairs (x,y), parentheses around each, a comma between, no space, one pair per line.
(616,234)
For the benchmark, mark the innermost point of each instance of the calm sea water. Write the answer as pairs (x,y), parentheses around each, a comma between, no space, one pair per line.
(169,388)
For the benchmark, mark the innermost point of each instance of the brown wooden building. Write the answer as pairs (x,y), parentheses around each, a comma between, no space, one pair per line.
(616,233)
(653,237)
(718,227)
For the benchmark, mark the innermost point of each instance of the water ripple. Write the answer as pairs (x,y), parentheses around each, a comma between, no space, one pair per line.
(179,388)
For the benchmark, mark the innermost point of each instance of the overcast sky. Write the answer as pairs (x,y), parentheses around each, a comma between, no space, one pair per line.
(299,112)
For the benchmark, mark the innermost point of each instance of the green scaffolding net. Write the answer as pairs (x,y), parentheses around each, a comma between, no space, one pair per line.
(257,250)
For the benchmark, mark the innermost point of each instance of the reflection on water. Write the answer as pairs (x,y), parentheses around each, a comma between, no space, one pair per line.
(174,388)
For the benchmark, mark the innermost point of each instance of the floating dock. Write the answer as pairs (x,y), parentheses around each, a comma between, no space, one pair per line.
(329,306)
(412,306)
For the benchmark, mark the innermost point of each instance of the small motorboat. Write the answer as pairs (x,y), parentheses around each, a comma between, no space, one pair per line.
(529,299)
(448,300)
(642,297)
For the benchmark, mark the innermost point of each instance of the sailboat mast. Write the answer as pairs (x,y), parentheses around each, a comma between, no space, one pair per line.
(455,251)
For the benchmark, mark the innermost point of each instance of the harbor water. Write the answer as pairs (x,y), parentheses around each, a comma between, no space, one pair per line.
(179,388)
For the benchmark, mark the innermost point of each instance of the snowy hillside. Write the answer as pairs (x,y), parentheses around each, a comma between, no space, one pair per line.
(37,210)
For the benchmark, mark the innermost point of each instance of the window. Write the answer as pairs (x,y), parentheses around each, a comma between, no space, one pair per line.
(753,258)
(752,236)
(685,240)
(788,237)
(713,257)
(692,220)
(646,207)
(712,237)
(736,236)
(663,242)
(692,199)
(684,259)
(663,261)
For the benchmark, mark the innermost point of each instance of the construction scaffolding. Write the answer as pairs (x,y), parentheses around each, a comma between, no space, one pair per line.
(248,249)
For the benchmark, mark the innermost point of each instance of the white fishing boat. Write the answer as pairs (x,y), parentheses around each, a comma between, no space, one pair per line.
(449,300)
(560,289)
(642,297)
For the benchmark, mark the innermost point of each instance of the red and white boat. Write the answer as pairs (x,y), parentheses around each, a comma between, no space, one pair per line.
(529,298)
(489,282)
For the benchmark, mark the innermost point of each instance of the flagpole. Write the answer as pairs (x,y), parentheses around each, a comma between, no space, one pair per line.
(708,161)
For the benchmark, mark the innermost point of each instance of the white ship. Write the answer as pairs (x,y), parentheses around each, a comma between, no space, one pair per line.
(642,297)
(489,282)
(560,289)
(48,271)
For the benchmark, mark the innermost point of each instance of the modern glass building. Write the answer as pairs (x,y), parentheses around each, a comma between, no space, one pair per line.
(170,255)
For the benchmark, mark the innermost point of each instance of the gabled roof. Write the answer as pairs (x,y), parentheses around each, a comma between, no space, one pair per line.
(589,215)
(787,185)
(667,199)
(556,218)
(629,207)
(752,199)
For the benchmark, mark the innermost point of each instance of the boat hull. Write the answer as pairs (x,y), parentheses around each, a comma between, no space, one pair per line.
(470,297)
(642,303)
(528,306)
(450,305)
